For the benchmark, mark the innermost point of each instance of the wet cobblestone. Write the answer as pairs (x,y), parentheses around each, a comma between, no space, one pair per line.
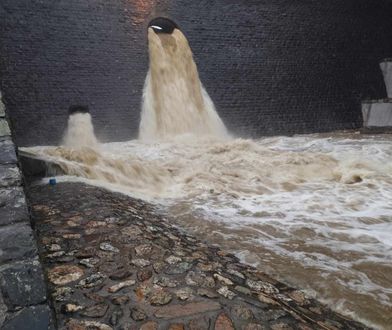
(114,262)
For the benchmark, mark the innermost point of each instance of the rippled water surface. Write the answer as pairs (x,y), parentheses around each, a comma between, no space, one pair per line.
(315,211)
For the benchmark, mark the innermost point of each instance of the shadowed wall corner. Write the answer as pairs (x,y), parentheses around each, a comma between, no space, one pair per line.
(23,294)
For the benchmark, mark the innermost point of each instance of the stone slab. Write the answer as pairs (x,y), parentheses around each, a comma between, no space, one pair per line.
(9,176)
(16,242)
(3,310)
(377,114)
(22,284)
(31,318)
(7,151)
(181,311)
(386,68)
(13,207)
(2,107)
(4,128)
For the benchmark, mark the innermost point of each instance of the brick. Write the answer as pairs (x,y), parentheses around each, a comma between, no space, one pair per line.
(223,322)
(149,326)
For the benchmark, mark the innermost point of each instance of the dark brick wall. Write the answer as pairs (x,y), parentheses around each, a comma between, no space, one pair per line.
(271,66)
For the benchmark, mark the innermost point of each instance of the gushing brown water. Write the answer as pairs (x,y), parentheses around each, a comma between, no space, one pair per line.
(174,100)
(92,164)
(313,210)
(80,132)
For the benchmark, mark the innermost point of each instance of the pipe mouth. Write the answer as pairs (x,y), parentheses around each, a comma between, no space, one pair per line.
(385,60)
(78,109)
(163,25)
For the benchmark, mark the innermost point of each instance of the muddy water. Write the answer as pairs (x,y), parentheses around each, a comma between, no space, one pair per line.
(327,229)
(174,99)
(80,131)
(314,211)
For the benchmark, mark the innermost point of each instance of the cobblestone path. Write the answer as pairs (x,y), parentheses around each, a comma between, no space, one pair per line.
(113,262)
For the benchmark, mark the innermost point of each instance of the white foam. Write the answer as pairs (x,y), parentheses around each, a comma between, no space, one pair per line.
(315,211)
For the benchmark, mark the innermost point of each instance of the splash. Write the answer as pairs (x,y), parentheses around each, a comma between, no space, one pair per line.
(131,173)
(174,100)
(81,156)
(312,210)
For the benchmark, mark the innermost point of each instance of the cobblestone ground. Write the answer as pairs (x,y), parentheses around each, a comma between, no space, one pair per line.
(113,262)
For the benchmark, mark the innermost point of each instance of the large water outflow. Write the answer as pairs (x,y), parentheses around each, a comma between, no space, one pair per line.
(314,211)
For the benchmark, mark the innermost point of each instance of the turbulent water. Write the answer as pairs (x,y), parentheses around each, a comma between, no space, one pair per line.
(313,210)
(80,131)
(174,100)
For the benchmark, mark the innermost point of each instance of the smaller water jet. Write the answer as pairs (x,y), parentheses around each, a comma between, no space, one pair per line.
(80,155)
(80,130)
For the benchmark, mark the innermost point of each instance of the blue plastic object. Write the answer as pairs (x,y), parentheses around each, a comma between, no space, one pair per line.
(52,181)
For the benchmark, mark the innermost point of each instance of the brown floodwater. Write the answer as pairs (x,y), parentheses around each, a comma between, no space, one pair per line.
(314,211)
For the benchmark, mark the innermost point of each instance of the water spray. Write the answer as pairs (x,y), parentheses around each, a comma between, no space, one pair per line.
(80,130)
(175,103)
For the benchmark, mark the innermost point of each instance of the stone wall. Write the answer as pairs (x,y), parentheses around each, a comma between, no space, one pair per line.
(272,67)
(23,300)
